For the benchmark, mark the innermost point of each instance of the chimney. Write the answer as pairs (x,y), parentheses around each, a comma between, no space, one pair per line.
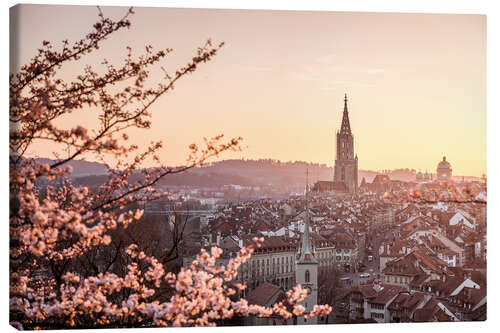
(218,239)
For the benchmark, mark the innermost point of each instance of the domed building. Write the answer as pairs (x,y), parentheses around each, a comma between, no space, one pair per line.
(443,170)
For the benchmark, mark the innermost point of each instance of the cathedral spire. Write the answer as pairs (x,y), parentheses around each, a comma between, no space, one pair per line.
(345,127)
(306,253)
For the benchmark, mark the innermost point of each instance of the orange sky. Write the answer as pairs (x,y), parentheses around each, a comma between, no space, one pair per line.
(416,82)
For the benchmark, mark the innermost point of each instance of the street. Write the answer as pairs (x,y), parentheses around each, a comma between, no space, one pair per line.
(378,236)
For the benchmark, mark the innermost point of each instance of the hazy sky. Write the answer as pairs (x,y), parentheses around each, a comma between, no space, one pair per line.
(415,82)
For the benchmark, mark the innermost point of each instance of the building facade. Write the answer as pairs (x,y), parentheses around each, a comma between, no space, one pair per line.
(346,163)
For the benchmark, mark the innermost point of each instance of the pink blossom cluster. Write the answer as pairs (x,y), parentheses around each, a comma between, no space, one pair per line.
(55,223)
(203,295)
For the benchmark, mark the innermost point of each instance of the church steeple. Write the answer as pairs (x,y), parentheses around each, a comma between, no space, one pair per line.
(346,163)
(306,268)
(306,253)
(346,126)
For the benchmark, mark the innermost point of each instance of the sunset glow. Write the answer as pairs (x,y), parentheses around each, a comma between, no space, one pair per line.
(416,82)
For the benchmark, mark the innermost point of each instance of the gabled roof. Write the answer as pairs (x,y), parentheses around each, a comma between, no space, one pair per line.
(380,295)
(408,302)
(402,266)
(460,218)
(262,226)
(471,295)
(263,294)
(432,311)
(449,286)
(432,263)
(445,242)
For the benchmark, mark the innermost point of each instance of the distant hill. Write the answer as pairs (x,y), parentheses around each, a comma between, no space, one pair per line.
(81,167)
(263,172)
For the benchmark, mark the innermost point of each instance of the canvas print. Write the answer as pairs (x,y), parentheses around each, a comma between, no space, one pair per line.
(218,167)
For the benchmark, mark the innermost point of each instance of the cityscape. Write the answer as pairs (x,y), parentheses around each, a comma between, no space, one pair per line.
(374,258)
(105,234)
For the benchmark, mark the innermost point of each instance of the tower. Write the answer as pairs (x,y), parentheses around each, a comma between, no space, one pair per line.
(346,164)
(444,170)
(306,268)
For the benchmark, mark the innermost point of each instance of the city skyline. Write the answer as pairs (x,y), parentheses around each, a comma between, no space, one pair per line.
(358,194)
(415,92)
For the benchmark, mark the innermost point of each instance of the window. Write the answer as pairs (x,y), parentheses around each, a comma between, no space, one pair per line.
(377,306)
(308,277)
(377,315)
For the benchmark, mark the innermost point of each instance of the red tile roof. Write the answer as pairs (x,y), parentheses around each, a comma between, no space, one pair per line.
(383,295)
(263,294)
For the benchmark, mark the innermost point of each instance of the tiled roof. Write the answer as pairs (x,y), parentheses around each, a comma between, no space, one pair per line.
(432,263)
(277,243)
(418,280)
(383,295)
(471,295)
(446,287)
(479,314)
(409,302)
(430,312)
(402,266)
(263,294)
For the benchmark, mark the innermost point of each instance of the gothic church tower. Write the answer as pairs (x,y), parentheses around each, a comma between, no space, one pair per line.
(346,164)
(306,269)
